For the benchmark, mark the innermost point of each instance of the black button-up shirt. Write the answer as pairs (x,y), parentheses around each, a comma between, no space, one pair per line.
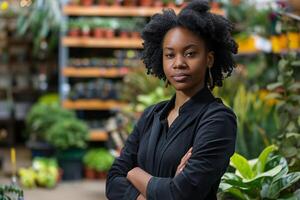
(203,123)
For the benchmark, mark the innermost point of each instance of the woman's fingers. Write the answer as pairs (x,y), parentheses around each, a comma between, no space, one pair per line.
(184,159)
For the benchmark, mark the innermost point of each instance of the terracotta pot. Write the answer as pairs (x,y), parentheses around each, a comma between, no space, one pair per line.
(98,32)
(158,3)
(85,33)
(124,34)
(101,175)
(145,2)
(102,2)
(109,33)
(89,173)
(130,2)
(74,32)
(135,34)
(87,2)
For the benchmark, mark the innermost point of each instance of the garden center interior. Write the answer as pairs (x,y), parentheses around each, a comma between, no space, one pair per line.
(73,85)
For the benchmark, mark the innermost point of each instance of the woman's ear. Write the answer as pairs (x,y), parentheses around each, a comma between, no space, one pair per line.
(210,59)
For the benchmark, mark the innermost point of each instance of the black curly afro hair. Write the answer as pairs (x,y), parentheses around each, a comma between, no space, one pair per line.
(214,29)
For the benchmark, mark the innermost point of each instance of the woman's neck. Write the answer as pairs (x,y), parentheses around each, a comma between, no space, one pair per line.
(182,97)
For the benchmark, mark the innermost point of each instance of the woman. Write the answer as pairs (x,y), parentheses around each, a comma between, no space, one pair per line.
(180,148)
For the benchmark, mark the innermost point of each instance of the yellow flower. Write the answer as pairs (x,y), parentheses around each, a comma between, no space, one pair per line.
(4,5)
(263,96)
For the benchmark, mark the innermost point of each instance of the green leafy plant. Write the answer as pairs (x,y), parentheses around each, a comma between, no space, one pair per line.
(98,159)
(266,178)
(286,92)
(257,121)
(68,133)
(43,116)
(10,192)
(42,21)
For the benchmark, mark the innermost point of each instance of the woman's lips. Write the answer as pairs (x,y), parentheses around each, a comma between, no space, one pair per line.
(180,77)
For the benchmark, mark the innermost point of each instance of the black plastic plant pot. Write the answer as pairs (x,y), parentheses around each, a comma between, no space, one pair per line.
(70,161)
(40,149)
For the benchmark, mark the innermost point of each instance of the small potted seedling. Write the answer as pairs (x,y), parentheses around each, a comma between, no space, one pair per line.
(74,28)
(98,30)
(85,28)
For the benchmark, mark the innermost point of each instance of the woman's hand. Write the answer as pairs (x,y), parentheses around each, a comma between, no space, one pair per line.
(140,197)
(183,161)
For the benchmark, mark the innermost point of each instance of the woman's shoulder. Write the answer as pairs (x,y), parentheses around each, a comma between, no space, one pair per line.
(218,108)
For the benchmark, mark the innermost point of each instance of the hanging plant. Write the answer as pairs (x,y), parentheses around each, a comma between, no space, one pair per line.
(41,21)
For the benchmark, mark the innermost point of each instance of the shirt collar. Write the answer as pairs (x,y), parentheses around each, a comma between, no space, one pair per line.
(202,97)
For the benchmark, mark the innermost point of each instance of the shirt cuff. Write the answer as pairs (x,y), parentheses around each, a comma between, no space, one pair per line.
(158,188)
(131,193)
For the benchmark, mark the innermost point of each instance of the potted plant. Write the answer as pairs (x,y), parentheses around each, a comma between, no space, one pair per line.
(97,28)
(103,161)
(110,25)
(69,137)
(41,118)
(74,28)
(86,2)
(97,163)
(85,27)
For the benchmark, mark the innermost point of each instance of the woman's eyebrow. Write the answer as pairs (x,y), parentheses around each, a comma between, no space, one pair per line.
(186,47)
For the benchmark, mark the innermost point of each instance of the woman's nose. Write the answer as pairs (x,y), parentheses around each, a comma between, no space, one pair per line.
(179,62)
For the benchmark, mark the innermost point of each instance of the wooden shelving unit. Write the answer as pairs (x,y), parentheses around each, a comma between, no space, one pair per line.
(98,135)
(96,72)
(102,43)
(93,104)
(118,11)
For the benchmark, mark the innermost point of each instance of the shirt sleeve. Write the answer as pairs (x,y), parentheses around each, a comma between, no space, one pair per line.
(213,146)
(117,185)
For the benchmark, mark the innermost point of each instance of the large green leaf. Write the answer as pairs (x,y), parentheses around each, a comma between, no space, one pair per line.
(262,159)
(282,184)
(241,165)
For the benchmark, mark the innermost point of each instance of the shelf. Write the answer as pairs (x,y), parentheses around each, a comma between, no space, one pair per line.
(102,43)
(93,104)
(98,135)
(118,11)
(87,72)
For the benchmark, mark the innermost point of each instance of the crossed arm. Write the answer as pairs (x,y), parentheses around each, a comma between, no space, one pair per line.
(140,178)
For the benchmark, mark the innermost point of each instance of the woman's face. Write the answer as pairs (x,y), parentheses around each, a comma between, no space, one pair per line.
(185,59)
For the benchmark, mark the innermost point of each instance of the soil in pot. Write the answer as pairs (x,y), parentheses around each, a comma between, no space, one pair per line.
(86,2)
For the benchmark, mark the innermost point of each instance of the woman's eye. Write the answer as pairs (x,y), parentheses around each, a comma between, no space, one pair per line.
(190,54)
(169,55)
